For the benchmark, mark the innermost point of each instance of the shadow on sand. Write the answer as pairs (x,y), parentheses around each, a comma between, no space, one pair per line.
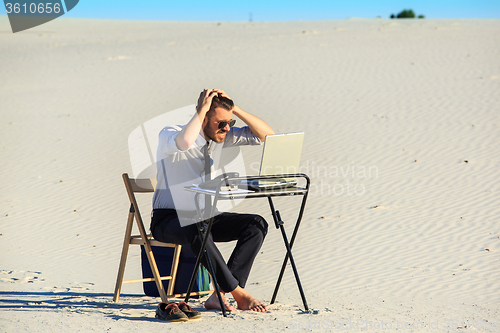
(83,302)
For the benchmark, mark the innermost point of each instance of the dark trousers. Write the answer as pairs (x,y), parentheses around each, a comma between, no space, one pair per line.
(248,230)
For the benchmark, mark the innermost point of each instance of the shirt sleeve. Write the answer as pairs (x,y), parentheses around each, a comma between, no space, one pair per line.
(166,141)
(241,136)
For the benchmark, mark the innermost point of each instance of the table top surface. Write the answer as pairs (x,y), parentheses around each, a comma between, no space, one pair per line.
(240,193)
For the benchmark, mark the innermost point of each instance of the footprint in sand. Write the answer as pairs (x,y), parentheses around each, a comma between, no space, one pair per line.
(13,276)
(80,286)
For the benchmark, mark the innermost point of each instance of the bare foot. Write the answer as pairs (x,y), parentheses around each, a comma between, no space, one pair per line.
(252,305)
(212,303)
(246,301)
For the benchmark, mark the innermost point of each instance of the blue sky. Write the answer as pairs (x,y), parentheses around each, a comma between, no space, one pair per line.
(278,10)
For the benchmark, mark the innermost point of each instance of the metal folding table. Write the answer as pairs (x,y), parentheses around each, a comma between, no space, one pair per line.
(218,194)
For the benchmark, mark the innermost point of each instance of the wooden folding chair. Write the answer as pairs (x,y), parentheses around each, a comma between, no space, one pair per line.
(146,186)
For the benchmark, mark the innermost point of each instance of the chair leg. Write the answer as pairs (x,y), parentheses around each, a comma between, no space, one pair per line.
(123,259)
(156,272)
(151,258)
(173,270)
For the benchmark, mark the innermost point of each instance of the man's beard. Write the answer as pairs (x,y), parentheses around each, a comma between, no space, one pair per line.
(213,136)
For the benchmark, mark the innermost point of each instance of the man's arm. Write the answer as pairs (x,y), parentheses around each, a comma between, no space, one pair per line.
(187,136)
(258,127)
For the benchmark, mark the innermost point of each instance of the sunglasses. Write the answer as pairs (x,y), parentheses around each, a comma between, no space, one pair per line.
(223,124)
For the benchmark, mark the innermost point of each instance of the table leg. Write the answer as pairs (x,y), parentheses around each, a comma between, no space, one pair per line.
(292,261)
(203,235)
(280,224)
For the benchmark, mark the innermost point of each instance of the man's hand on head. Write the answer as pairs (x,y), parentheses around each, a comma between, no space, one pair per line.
(206,97)
(205,100)
(221,93)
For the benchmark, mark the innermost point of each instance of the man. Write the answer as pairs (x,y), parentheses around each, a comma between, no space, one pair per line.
(181,155)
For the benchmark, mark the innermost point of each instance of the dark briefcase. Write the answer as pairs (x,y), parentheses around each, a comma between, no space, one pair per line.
(187,261)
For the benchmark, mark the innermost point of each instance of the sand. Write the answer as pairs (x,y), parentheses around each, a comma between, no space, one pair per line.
(401,120)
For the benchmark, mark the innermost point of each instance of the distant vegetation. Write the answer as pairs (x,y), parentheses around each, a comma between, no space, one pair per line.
(407,13)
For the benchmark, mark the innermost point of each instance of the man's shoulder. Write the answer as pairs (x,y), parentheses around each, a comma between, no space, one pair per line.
(171,129)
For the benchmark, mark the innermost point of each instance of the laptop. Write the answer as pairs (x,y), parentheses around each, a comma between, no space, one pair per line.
(281,155)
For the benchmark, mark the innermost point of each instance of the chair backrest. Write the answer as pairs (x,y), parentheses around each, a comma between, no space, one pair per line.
(143,185)
(146,185)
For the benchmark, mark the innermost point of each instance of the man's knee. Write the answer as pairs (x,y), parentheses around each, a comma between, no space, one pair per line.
(260,224)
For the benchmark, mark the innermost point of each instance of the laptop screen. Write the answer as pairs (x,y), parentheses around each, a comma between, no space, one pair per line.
(281,154)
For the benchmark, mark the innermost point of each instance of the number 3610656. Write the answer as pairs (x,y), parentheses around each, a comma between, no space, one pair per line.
(33,8)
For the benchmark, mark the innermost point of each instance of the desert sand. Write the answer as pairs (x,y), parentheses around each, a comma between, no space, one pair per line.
(402,131)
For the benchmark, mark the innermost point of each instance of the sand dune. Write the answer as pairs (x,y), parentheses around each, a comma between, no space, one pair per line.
(402,130)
